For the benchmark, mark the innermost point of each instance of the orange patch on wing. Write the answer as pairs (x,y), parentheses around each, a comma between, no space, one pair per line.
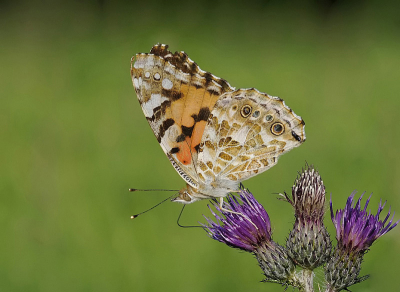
(192,105)
(184,155)
(209,101)
(178,106)
(198,133)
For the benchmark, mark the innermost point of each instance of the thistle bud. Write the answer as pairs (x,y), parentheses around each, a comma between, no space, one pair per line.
(308,244)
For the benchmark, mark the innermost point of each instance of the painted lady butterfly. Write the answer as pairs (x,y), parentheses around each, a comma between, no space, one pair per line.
(214,136)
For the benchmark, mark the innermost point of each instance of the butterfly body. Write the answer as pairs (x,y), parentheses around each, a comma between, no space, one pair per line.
(214,135)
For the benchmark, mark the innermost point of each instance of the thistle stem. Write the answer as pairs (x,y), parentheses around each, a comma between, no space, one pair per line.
(308,280)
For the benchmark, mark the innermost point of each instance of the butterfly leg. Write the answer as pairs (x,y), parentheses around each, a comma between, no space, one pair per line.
(221,204)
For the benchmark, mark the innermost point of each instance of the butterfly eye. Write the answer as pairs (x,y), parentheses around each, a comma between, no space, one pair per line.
(256,114)
(245,111)
(268,118)
(186,197)
(277,129)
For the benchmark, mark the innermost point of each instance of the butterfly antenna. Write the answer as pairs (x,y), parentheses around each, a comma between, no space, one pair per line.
(179,217)
(134,216)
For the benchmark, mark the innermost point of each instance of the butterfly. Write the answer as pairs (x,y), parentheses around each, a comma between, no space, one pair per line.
(214,135)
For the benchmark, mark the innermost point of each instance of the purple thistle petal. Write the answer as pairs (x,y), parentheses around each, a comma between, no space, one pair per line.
(246,231)
(357,229)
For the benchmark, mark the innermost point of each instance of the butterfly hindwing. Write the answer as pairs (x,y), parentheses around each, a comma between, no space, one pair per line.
(246,133)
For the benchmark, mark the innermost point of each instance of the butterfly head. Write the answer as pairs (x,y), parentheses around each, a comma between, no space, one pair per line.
(187,195)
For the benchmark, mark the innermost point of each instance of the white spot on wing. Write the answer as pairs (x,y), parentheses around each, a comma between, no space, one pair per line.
(169,68)
(147,74)
(154,101)
(157,76)
(216,84)
(214,88)
(196,83)
(182,76)
(150,62)
(135,82)
(167,84)
(140,61)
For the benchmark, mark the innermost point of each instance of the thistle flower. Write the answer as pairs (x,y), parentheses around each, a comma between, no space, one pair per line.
(356,231)
(308,244)
(245,229)
(247,226)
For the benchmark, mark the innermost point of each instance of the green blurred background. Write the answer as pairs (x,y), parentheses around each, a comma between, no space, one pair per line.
(74,139)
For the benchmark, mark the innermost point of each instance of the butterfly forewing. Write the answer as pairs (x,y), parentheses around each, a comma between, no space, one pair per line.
(176,97)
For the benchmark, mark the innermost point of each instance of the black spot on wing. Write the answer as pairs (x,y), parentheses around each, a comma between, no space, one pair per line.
(174,150)
(208,77)
(172,94)
(297,137)
(166,104)
(180,138)
(187,131)
(203,115)
(197,147)
(159,111)
(197,86)
(212,91)
(163,128)
(160,50)
(156,116)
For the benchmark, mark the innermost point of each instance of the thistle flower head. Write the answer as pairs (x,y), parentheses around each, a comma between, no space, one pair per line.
(246,230)
(249,229)
(357,229)
(308,244)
